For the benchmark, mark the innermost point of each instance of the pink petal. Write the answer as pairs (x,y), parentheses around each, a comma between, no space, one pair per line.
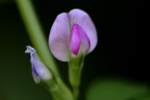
(81,18)
(85,42)
(80,43)
(59,37)
(75,40)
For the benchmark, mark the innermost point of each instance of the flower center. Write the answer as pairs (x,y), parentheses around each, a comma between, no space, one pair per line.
(79,40)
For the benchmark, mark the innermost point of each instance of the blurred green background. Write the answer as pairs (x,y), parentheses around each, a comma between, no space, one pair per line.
(114,58)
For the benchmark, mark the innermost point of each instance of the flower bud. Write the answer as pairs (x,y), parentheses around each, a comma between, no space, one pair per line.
(72,33)
(39,71)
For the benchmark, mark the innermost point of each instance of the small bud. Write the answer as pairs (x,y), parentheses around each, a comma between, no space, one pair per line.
(39,71)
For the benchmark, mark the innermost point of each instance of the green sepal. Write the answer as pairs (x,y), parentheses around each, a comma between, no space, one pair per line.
(75,68)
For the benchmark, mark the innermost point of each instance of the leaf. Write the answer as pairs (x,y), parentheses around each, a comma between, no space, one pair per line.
(115,90)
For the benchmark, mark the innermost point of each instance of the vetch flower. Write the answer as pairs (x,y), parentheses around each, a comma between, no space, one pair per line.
(72,33)
(39,70)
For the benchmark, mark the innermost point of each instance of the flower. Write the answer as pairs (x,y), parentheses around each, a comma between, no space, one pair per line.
(39,70)
(72,34)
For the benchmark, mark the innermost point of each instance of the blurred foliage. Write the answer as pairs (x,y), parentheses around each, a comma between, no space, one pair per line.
(117,90)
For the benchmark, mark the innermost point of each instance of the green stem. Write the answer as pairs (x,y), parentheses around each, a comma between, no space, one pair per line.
(75,68)
(76,92)
(37,37)
(36,33)
(74,78)
(59,92)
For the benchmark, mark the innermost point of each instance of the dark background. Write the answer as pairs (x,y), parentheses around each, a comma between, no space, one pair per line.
(117,22)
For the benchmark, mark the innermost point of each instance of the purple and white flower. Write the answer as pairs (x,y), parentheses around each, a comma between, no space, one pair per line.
(72,33)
